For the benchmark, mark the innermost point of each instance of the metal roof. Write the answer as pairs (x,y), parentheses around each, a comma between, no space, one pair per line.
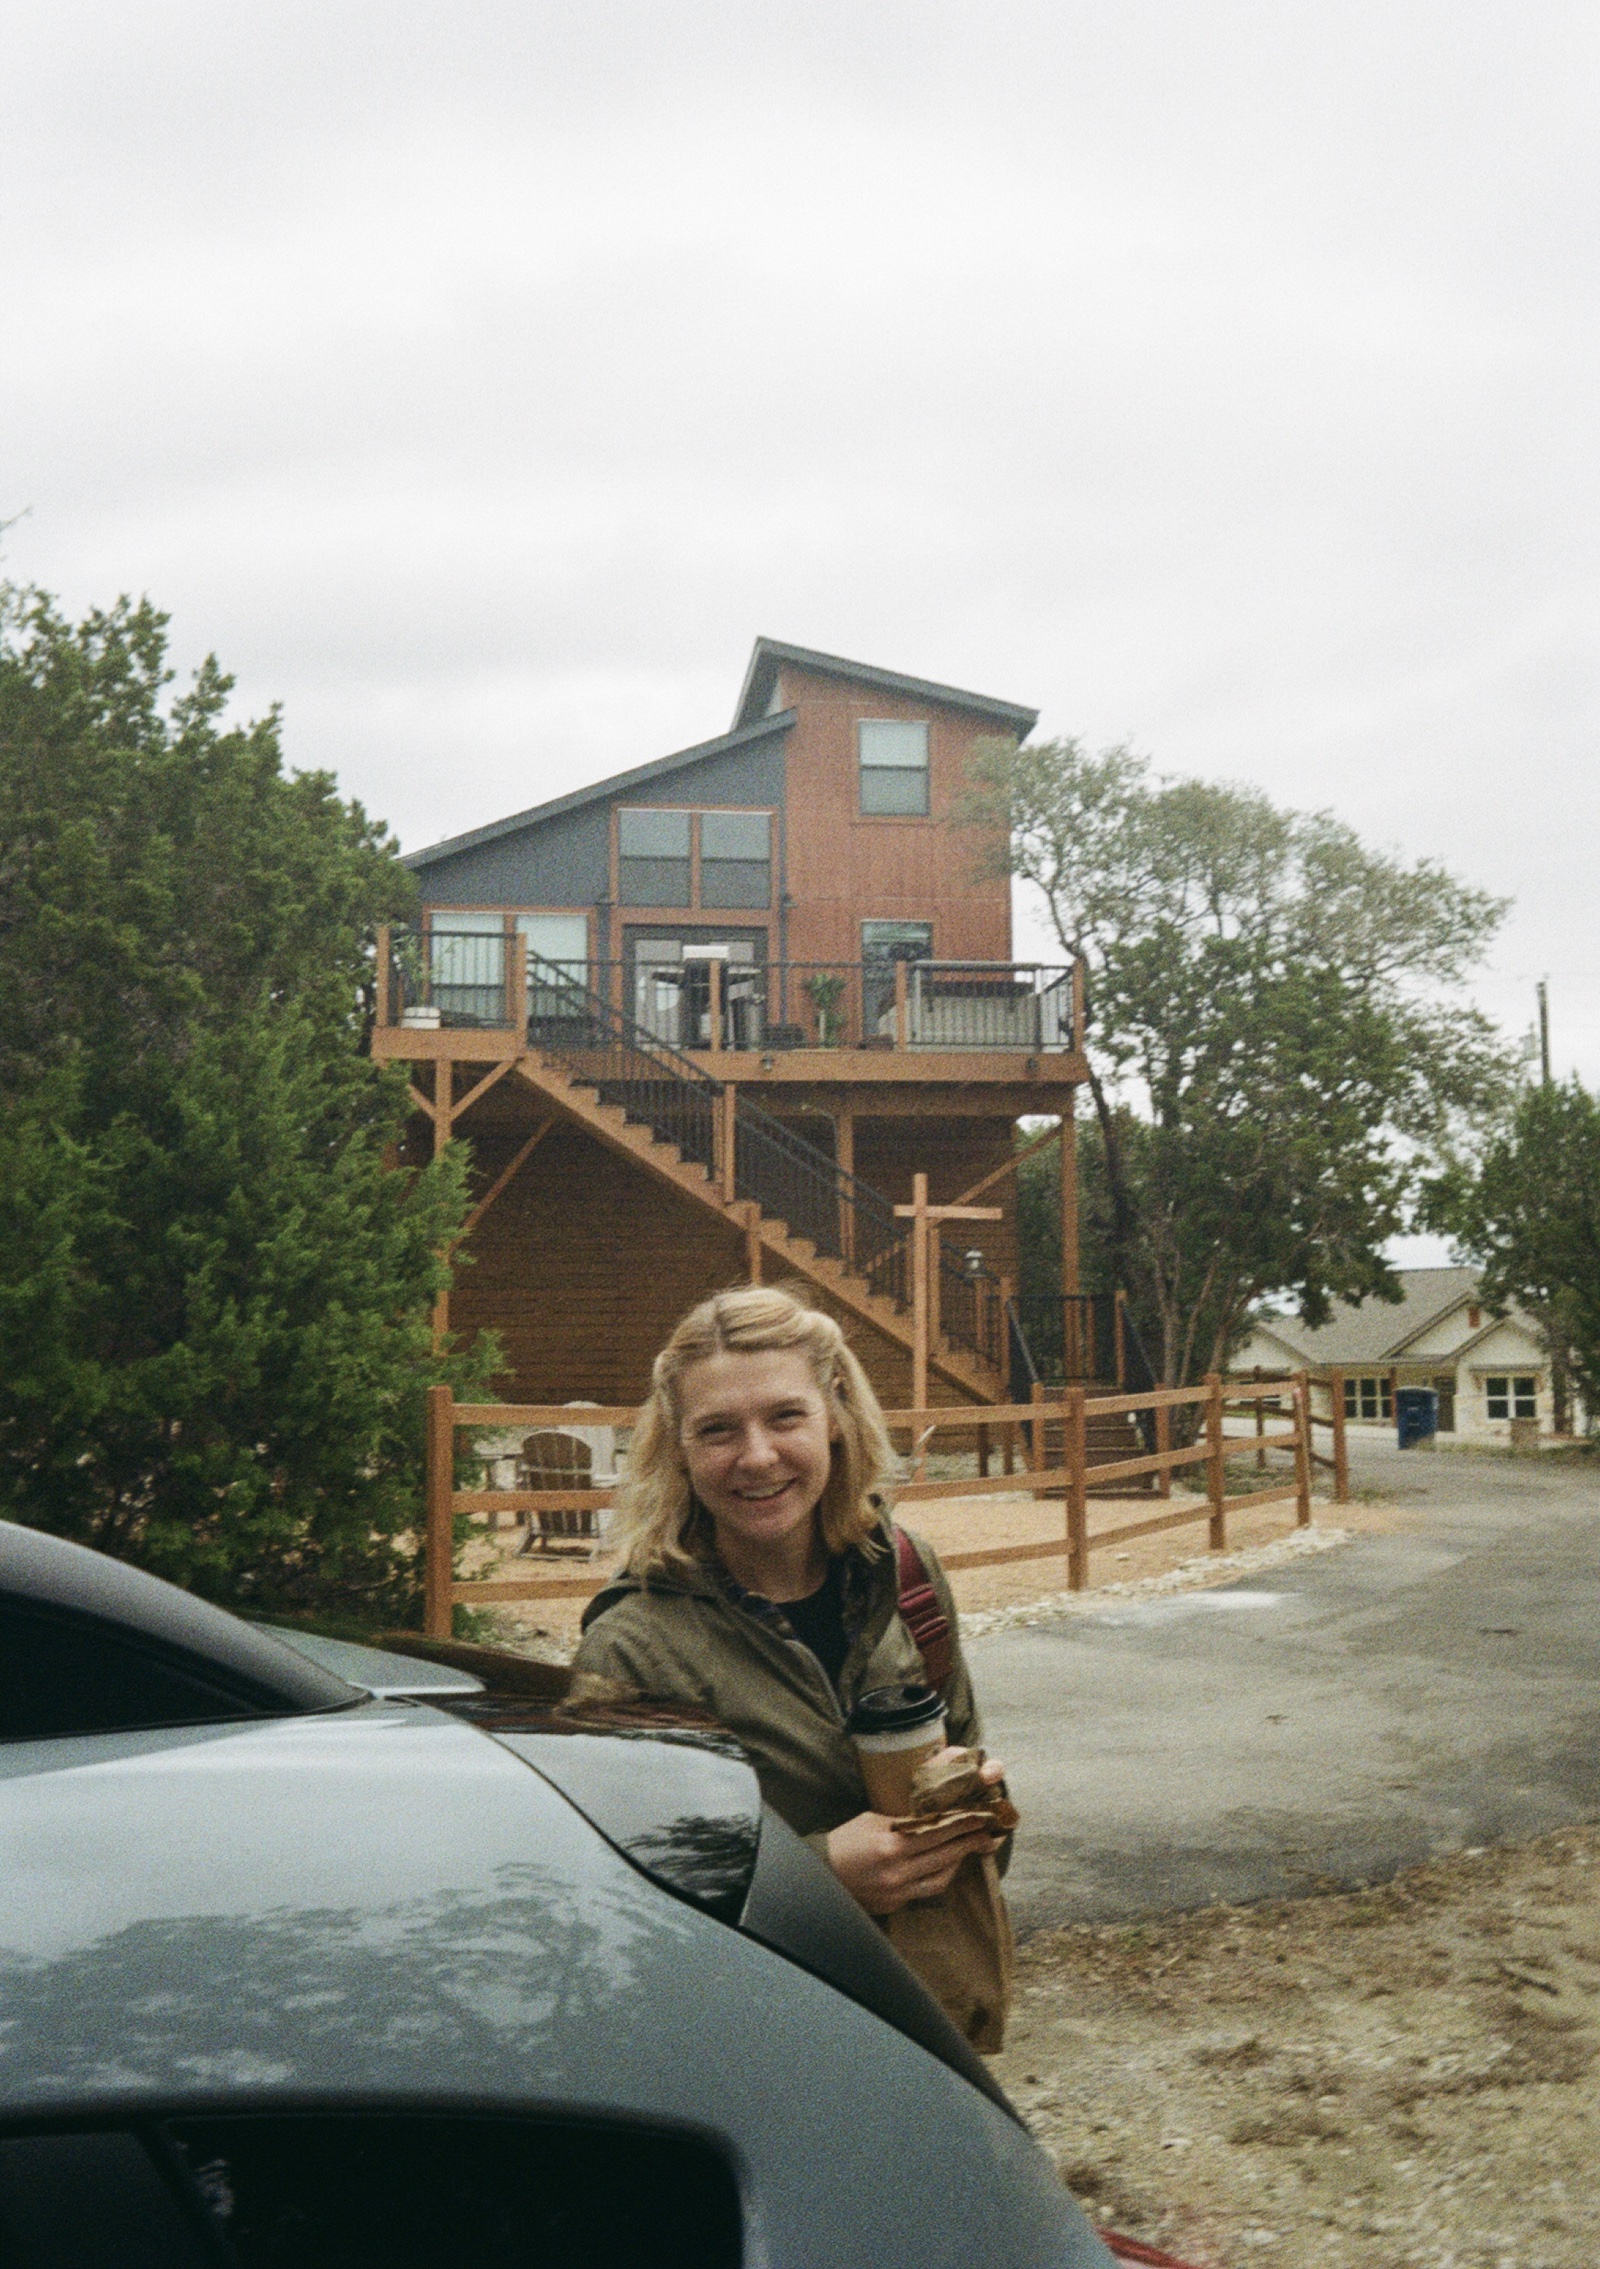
(769,653)
(618,783)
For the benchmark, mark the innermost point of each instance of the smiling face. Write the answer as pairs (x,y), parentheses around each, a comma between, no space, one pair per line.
(757,1434)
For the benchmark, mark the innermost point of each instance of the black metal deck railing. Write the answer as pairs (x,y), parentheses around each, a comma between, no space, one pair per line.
(790,1179)
(454,970)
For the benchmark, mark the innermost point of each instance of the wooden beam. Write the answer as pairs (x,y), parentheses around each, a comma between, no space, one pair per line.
(504,1178)
(421,1102)
(444,1103)
(1039,1142)
(439,1533)
(481,1088)
(1070,1271)
(918,1209)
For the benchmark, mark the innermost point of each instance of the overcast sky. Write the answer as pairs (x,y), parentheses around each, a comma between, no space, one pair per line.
(480,381)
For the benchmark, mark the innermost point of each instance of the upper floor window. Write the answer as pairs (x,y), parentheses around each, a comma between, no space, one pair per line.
(653,865)
(894,768)
(735,858)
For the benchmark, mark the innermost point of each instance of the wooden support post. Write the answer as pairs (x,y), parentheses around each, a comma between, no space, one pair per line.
(1341,1447)
(1119,1311)
(1163,1419)
(382,1009)
(728,1139)
(1261,1425)
(1070,1281)
(1302,1448)
(983,1453)
(902,1021)
(926,1220)
(919,1285)
(1216,1474)
(1008,1446)
(1036,1429)
(1076,1460)
(752,1243)
(438,1560)
(517,982)
(444,1097)
(714,1008)
(844,1154)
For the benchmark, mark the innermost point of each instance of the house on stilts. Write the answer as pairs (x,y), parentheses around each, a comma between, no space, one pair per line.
(705,1021)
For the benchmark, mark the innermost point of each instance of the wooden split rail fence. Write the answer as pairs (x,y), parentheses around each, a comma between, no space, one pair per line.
(1024,1429)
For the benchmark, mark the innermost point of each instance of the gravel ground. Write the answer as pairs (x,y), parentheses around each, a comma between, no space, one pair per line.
(1399,2076)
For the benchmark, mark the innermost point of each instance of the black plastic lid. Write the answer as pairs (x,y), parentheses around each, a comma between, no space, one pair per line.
(895,1709)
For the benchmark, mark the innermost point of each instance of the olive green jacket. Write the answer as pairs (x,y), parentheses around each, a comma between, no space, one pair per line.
(697,1638)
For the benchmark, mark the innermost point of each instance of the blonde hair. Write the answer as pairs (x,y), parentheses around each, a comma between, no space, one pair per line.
(660,1528)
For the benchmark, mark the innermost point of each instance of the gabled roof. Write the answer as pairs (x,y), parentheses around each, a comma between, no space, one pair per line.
(1376,1331)
(618,783)
(769,653)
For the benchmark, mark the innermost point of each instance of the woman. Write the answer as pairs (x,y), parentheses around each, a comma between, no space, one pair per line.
(759,1577)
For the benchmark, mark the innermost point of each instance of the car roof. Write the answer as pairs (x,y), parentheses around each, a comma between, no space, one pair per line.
(52,1573)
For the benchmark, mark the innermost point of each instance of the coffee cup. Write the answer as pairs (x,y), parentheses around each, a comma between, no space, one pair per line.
(893,1729)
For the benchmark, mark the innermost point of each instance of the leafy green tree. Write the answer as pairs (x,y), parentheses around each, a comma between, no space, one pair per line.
(215,1304)
(1277,1044)
(1529,1214)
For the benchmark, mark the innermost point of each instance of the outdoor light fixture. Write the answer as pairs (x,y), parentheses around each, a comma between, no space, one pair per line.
(973,1262)
(767,1064)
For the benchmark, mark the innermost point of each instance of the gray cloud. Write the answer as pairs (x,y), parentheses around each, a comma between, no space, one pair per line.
(481,381)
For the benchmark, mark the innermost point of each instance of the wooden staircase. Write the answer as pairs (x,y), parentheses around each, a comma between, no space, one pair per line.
(643,1101)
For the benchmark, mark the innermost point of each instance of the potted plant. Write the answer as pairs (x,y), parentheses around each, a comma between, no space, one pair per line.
(824,988)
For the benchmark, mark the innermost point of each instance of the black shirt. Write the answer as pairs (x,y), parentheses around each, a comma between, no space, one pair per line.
(819,1621)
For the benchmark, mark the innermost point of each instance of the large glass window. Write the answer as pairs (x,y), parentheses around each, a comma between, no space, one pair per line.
(735,858)
(894,768)
(468,965)
(559,940)
(558,964)
(653,858)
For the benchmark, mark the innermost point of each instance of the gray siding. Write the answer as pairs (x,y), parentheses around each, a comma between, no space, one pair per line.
(564,861)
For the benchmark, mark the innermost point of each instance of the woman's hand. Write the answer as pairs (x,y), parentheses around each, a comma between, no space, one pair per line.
(886,1870)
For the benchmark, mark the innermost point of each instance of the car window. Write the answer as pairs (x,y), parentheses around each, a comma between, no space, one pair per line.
(62,1673)
(374,2191)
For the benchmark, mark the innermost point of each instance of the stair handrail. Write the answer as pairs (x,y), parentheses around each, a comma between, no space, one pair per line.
(844,1218)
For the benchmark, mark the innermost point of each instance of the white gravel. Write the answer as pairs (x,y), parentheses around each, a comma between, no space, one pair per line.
(1192,1575)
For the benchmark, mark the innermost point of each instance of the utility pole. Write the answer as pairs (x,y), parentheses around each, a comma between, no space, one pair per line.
(1544,1032)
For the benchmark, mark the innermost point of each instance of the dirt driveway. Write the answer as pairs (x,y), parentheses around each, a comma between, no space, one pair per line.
(1402,2076)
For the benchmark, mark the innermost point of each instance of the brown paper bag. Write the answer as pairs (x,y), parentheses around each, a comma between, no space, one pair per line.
(960,1946)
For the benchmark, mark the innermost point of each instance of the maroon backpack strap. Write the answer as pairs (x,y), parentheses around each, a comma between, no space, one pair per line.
(921,1613)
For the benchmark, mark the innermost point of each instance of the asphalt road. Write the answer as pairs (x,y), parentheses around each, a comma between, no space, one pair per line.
(1361,1709)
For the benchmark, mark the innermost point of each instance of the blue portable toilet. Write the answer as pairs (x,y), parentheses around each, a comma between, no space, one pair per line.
(1416,1417)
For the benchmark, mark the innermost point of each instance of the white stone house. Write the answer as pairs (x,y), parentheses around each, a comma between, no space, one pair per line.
(1488,1371)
